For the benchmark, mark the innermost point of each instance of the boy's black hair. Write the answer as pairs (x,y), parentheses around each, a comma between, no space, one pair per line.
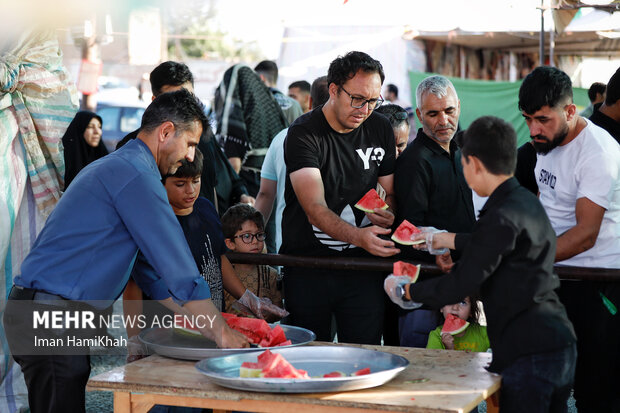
(181,107)
(188,169)
(395,114)
(494,142)
(169,74)
(346,67)
(545,86)
(236,215)
(613,89)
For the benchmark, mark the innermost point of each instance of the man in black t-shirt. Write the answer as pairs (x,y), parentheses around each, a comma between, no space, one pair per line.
(608,115)
(334,155)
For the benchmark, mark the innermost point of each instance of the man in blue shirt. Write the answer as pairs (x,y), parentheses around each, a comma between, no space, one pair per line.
(114,207)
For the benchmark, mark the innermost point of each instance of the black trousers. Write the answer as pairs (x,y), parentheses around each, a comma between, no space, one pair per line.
(597,376)
(355,298)
(56,383)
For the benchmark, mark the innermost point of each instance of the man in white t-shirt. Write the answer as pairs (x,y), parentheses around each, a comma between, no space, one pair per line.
(578,176)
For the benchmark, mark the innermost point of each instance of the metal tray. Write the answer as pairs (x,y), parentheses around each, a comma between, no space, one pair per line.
(165,342)
(316,360)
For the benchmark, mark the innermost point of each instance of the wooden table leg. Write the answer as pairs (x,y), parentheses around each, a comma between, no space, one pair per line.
(493,403)
(123,403)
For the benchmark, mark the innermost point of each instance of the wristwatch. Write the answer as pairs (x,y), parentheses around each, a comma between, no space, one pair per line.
(401,293)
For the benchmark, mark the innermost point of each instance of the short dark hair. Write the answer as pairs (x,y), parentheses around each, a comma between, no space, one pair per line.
(319,91)
(180,107)
(346,67)
(391,87)
(170,74)
(395,114)
(545,86)
(236,215)
(188,169)
(494,142)
(613,89)
(596,88)
(301,85)
(269,69)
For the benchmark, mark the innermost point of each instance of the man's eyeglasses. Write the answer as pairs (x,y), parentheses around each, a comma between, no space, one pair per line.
(358,103)
(248,238)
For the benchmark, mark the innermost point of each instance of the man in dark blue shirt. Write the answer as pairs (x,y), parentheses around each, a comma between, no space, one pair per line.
(114,207)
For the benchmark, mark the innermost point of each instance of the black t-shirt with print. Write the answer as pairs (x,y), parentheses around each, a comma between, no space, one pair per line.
(350,164)
(203,232)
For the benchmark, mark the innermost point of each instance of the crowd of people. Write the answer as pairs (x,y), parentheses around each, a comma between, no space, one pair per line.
(152,222)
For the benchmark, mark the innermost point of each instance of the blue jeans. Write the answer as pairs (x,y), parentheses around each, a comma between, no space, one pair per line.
(538,382)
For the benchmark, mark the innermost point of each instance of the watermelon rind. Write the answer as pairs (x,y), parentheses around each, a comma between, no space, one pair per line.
(404,241)
(187,332)
(370,195)
(399,266)
(455,331)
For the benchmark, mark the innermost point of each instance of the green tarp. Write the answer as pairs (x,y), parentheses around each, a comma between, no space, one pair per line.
(481,97)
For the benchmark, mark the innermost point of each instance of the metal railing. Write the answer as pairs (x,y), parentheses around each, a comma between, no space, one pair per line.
(385,265)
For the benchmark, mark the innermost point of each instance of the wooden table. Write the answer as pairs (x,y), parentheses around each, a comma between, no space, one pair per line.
(457,382)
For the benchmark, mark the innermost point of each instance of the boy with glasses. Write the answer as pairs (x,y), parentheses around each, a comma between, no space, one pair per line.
(244,231)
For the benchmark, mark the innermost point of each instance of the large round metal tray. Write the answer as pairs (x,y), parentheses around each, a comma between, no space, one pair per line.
(165,342)
(316,360)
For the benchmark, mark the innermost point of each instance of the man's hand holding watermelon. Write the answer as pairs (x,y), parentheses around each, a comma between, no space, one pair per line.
(216,330)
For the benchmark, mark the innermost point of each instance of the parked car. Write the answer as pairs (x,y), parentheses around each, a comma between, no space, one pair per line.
(118,120)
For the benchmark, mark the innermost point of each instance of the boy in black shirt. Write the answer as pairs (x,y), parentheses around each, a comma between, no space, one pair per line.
(508,258)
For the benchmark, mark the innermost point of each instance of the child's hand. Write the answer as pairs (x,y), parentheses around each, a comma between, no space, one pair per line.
(448,341)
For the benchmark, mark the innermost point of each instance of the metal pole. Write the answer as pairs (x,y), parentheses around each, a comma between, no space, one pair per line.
(385,265)
(541,52)
(552,41)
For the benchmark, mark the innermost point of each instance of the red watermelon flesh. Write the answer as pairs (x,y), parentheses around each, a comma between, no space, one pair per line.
(370,201)
(404,268)
(275,365)
(254,329)
(284,343)
(454,325)
(362,372)
(403,233)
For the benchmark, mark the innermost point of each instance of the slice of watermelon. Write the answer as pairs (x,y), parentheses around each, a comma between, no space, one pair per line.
(404,268)
(254,329)
(285,343)
(454,325)
(275,365)
(362,372)
(403,233)
(249,370)
(370,201)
